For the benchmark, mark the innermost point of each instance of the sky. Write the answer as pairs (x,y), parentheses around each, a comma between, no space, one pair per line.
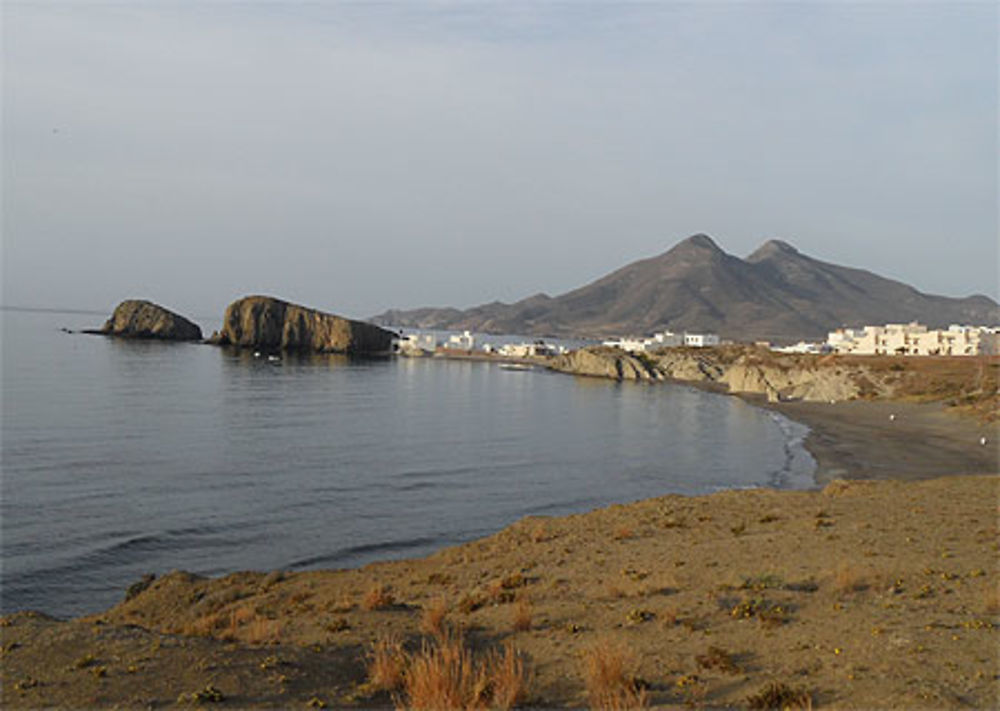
(356,157)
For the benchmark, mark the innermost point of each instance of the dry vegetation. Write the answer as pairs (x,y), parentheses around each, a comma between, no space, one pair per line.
(610,672)
(861,595)
(967,384)
(444,673)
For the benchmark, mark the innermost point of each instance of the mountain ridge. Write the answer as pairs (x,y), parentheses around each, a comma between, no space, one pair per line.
(776,293)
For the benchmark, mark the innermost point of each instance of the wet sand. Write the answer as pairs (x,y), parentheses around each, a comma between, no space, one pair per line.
(892,440)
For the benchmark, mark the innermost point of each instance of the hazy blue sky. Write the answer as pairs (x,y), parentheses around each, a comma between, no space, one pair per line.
(360,156)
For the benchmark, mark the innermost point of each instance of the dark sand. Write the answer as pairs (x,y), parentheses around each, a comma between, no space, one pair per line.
(861,440)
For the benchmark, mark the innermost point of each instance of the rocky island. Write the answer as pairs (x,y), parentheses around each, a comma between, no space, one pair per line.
(269,324)
(137,318)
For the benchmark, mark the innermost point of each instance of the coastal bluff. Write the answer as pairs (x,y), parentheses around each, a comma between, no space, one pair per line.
(738,369)
(604,362)
(269,324)
(136,318)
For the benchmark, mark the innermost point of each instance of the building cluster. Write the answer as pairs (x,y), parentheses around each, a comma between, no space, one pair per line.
(891,339)
(905,339)
(664,339)
(465,342)
(915,339)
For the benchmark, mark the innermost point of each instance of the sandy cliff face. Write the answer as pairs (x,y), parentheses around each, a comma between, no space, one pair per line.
(740,370)
(270,324)
(136,318)
(604,363)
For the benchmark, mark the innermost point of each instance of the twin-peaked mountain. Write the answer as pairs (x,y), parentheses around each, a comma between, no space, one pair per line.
(777,293)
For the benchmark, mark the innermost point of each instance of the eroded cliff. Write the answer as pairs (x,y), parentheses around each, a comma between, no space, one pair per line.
(737,369)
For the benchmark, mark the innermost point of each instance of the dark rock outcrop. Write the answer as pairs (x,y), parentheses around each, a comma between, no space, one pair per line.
(268,324)
(136,318)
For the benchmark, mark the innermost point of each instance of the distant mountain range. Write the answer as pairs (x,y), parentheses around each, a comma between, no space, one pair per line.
(777,293)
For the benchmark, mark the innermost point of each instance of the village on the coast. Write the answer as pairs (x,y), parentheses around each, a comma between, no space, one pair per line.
(906,339)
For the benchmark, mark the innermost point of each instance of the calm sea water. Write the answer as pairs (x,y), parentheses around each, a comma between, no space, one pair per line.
(121,458)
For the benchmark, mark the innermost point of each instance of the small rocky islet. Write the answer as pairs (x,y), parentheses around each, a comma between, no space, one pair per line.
(141,319)
(262,323)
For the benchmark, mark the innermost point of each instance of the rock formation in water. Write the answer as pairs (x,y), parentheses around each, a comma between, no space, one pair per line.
(268,324)
(136,318)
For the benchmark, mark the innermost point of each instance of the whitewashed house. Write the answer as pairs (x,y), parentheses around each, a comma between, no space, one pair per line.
(667,339)
(916,339)
(464,341)
(803,347)
(415,344)
(663,339)
(701,340)
(629,344)
(525,350)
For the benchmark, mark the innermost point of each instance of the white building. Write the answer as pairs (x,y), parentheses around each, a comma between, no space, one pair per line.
(915,339)
(667,339)
(416,344)
(700,340)
(664,339)
(464,341)
(525,350)
(803,347)
(629,344)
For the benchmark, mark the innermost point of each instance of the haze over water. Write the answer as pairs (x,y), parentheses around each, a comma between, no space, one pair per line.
(122,458)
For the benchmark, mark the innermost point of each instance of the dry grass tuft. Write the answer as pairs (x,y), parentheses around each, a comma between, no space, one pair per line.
(508,677)
(344,604)
(991,601)
(776,695)
(239,618)
(523,611)
(718,658)
(609,671)
(623,533)
(434,619)
(387,663)
(443,676)
(261,630)
(540,533)
(469,603)
(848,578)
(203,626)
(378,597)
(446,675)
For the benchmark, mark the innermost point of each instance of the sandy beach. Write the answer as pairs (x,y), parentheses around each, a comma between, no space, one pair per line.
(893,440)
(862,594)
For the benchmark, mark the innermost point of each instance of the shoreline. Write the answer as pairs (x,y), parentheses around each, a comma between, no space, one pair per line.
(856,439)
(865,594)
(855,593)
(886,438)
(902,441)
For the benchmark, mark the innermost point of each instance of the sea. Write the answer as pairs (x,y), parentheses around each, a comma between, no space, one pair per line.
(121,458)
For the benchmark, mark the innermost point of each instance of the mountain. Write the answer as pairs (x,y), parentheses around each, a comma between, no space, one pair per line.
(777,293)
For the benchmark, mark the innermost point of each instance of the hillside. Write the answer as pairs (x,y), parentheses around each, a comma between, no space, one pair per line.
(777,293)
